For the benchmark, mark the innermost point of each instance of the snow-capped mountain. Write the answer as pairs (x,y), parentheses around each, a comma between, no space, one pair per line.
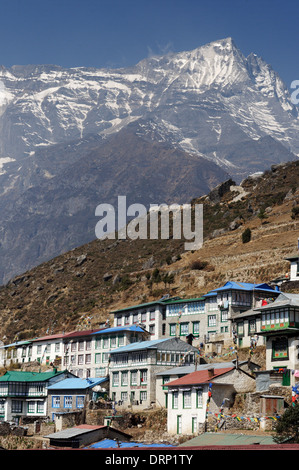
(219,111)
(199,100)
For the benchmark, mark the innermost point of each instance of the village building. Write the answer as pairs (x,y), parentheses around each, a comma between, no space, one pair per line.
(83,435)
(280,328)
(222,305)
(133,369)
(73,395)
(247,383)
(24,394)
(294,268)
(164,318)
(86,354)
(191,398)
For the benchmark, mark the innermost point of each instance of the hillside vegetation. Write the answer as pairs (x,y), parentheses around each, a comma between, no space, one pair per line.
(78,289)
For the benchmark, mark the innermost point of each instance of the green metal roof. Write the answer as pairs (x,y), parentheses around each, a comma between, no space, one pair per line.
(23,376)
(157,302)
(226,439)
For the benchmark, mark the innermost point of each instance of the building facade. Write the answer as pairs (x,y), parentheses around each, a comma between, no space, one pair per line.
(24,394)
(133,369)
(191,397)
(72,394)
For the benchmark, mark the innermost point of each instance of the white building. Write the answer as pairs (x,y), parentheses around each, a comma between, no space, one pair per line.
(89,355)
(193,396)
(294,268)
(133,369)
(44,350)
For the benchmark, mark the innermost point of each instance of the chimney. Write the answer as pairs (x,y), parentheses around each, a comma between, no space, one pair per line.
(211,372)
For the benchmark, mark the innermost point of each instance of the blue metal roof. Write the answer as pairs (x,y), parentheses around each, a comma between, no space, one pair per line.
(244,286)
(137,346)
(112,444)
(77,383)
(117,329)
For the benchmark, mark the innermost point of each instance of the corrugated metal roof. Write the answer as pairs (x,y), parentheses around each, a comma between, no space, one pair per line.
(112,444)
(117,329)
(227,439)
(76,383)
(73,432)
(138,346)
(198,377)
(184,370)
(247,286)
(24,376)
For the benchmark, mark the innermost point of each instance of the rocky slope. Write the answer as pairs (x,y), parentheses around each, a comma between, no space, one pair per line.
(80,288)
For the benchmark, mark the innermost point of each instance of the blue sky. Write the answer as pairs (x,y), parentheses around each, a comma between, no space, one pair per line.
(118,33)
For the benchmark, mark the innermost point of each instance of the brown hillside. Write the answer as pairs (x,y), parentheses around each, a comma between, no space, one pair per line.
(81,287)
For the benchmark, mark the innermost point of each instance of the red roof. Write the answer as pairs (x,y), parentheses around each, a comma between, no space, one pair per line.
(73,334)
(199,377)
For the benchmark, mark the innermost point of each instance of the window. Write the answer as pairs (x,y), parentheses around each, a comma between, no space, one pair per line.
(187,399)
(280,348)
(143,377)
(55,402)
(143,396)
(16,406)
(124,396)
(40,407)
(184,329)
(31,406)
(98,358)
(113,342)
(105,343)
(88,345)
(212,320)
(119,321)
(224,315)
(172,329)
(196,327)
(80,402)
(68,401)
(165,380)
(80,359)
(143,317)
(134,377)
(105,357)
(124,378)
(115,379)
(152,329)
(88,359)
(97,344)
(252,326)
(100,372)
(175,400)
(81,345)
(199,401)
